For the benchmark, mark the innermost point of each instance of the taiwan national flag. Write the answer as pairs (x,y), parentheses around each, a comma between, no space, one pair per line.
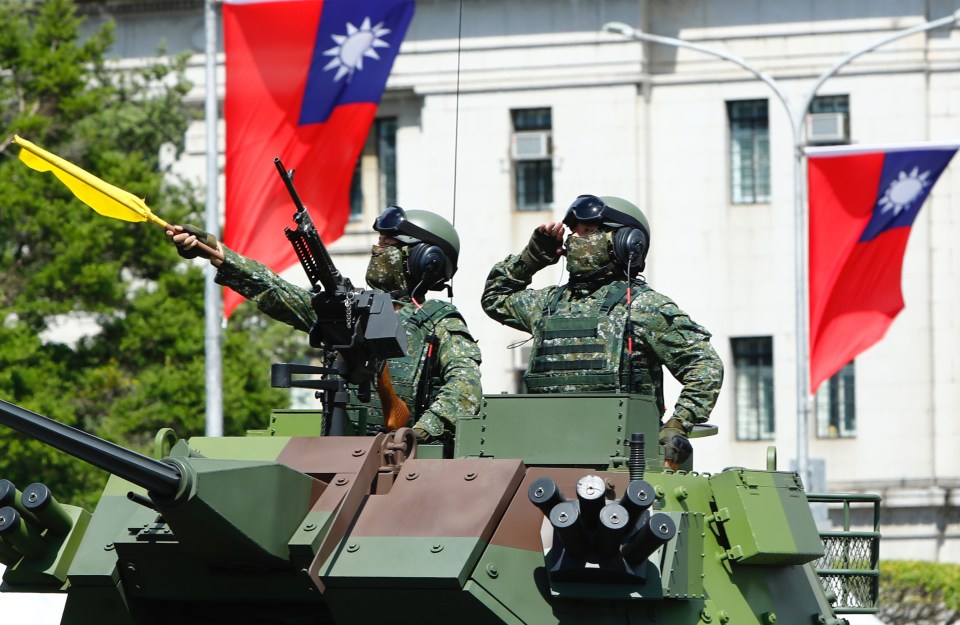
(303,81)
(863,201)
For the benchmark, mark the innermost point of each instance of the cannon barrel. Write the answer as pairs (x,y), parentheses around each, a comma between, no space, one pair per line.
(157,477)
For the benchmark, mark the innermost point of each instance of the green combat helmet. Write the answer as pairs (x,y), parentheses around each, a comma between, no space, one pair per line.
(631,237)
(433,246)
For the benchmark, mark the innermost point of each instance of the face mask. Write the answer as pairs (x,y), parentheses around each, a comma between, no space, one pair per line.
(385,270)
(589,253)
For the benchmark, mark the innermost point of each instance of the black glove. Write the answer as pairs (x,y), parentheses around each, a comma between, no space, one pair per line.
(676,447)
(204,237)
(541,250)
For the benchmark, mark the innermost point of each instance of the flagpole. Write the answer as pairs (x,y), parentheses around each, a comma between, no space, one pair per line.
(796,119)
(212,294)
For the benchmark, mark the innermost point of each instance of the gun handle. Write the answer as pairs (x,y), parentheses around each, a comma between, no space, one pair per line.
(395,411)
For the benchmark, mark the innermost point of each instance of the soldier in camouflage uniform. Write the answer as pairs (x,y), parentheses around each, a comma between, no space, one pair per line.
(417,251)
(583,337)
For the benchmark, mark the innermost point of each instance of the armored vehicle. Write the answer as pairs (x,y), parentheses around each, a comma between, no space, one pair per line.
(554,509)
(548,509)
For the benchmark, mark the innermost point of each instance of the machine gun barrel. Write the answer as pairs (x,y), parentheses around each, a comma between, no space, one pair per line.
(157,477)
(307,243)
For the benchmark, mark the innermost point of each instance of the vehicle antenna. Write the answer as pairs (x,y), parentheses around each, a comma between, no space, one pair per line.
(456,116)
(456,127)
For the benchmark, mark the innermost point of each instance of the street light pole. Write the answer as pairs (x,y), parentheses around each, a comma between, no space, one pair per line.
(212,298)
(797,118)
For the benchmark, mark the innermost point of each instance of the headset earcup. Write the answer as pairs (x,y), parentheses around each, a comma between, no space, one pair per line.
(630,244)
(426,264)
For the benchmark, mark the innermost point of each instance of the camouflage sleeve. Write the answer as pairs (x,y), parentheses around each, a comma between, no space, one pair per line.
(506,297)
(460,392)
(274,296)
(684,348)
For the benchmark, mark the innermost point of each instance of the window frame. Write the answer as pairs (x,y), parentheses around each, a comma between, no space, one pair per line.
(755,133)
(839,397)
(754,383)
(383,132)
(541,198)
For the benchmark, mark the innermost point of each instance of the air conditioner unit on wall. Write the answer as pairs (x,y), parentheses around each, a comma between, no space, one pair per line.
(825,128)
(531,145)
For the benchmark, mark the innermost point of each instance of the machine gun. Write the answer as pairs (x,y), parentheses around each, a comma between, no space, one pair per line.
(359,325)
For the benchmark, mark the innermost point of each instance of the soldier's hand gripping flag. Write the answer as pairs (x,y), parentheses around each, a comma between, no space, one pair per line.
(101,196)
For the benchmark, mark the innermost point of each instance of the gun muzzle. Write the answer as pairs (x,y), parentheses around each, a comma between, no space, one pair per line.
(38,500)
(638,497)
(9,495)
(545,494)
(17,533)
(653,531)
(590,493)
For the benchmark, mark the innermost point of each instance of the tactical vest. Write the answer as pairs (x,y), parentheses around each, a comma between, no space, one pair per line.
(407,371)
(578,347)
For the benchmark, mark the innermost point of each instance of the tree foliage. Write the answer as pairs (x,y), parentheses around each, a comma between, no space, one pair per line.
(919,593)
(59,260)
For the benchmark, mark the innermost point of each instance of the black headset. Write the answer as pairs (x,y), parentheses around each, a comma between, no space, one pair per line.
(630,246)
(426,264)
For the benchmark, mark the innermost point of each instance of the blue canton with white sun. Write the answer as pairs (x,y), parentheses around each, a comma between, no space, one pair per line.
(905,182)
(353,54)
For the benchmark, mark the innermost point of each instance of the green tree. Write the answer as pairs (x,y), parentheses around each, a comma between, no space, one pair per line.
(919,593)
(144,369)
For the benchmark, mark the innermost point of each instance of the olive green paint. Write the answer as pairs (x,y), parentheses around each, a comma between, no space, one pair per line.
(295,423)
(247,448)
(237,512)
(569,430)
(415,562)
(760,506)
(49,571)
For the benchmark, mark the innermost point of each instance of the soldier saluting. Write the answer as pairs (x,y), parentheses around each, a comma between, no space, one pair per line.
(595,334)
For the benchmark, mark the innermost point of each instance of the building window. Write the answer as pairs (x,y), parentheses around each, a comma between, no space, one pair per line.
(374,184)
(387,156)
(531,151)
(749,151)
(835,405)
(753,387)
(356,190)
(829,120)
(830,104)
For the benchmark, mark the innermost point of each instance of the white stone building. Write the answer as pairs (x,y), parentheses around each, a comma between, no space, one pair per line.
(706,150)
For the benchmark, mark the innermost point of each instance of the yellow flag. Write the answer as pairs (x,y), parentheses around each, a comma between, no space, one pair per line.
(101,196)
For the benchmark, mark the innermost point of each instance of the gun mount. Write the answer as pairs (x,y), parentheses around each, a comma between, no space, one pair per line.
(358,329)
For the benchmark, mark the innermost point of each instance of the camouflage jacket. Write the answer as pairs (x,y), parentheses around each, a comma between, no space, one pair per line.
(458,363)
(663,335)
